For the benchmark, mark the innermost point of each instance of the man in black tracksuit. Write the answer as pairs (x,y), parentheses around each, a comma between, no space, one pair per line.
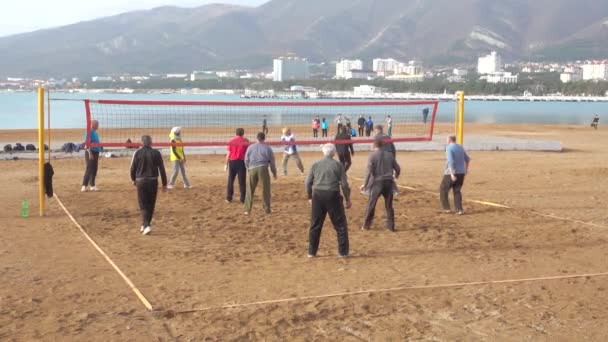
(361,125)
(382,169)
(146,165)
(344,151)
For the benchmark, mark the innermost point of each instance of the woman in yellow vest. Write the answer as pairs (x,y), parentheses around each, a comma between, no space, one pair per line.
(178,158)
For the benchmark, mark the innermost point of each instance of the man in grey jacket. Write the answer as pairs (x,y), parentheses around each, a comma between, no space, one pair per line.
(323,185)
(258,159)
(380,181)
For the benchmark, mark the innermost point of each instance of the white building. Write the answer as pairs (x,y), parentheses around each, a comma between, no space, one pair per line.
(571,74)
(228,74)
(501,77)
(177,75)
(406,78)
(290,68)
(385,67)
(202,75)
(367,90)
(360,74)
(460,72)
(489,64)
(345,65)
(595,71)
(101,79)
(410,68)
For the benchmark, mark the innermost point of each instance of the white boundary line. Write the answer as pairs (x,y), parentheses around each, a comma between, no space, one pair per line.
(393,289)
(124,277)
(497,205)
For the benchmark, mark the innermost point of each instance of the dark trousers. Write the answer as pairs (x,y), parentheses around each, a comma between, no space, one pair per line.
(323,203)
(368,132)
(237,168)
(345,160)
(385,189)
(444,189)
(361,130)
(147,190)
(315,133)
(91,172)
(325,133)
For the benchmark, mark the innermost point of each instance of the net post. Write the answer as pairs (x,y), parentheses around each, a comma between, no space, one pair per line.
(435,108)
(87,106)
(41,200)
(459,117)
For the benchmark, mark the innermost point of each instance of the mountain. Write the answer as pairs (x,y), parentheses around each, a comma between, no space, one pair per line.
(171,39)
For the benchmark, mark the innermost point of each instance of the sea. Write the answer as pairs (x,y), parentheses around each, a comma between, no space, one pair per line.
(19,110)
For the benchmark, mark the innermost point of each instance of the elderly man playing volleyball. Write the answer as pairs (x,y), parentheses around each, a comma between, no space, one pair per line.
(323,185)
(146,166)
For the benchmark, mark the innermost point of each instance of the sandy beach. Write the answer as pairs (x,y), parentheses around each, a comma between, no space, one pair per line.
(205,253)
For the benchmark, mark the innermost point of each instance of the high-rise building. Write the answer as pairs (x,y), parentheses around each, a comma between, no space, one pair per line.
(595,71)
(345,65)
(571,74)
(411,68)
(385,67)
(489,64)
(290,68)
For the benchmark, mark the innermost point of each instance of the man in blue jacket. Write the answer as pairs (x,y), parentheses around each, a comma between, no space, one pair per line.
(91,156)
(456,168)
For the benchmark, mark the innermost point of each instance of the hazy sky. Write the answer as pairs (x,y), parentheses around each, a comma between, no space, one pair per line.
(17,16)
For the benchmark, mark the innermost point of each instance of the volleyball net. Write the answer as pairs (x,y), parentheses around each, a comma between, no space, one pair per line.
(123,122)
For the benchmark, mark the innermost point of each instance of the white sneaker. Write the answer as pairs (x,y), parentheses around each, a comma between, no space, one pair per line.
(141,229)
(93,188)
(365,192)
(187,186)
(169,186)
(83,189)
(147,231)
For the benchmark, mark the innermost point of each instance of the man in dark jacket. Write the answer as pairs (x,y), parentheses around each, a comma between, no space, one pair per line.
(361,125)
(344,150)
(380,181)
(323,185)
(146,166)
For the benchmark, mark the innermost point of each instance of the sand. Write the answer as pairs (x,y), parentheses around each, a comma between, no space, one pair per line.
(205,253)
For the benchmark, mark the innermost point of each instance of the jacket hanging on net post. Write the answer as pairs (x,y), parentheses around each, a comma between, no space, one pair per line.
(48,179)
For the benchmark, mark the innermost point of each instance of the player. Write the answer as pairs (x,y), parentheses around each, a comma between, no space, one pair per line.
(380,181)
(290,151)
(146,166)
(344,151)
(323,185)
(324,127)
(369,126)
(91,156)
(178,158)
(456,168)
(258,159)
(596,121)
(425,115)
(361,125)
(265,126)
(235,165)
(389,125)
(316,123)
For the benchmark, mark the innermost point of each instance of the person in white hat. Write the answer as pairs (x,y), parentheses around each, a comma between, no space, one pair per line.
(178,158)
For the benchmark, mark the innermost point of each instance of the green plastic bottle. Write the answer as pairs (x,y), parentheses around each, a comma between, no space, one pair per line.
(24,208)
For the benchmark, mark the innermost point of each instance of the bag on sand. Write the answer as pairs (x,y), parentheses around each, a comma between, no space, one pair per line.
(30,147)
(18,147)
(8,148)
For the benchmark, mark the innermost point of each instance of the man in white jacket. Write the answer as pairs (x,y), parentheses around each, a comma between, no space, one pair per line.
(290,151)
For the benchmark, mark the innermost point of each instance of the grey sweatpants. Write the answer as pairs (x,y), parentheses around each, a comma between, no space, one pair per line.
(178,167)
(294,156)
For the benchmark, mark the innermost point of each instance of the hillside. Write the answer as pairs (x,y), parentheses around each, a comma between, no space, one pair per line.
(170,39)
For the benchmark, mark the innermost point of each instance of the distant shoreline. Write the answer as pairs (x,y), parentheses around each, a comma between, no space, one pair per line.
(327,95)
